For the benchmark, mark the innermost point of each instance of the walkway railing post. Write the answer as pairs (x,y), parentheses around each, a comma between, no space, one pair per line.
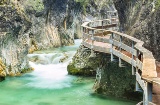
(111,50)
(133,72)
(137,84)
(120,49)
(92,38)
(84,32)
(102,25)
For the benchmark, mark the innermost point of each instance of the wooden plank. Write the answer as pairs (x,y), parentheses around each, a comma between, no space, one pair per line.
(152,80)
(125,47)
(149,68)
(106,26)
(100,39)
(101,49)
(102,33)
(124,57)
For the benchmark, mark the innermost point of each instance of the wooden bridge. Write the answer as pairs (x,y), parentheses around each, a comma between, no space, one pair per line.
(102,36)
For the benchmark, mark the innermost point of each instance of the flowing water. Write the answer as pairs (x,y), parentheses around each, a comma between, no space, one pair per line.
(49,83)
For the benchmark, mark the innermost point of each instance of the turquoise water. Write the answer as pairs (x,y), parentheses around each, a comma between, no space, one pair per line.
(49,84)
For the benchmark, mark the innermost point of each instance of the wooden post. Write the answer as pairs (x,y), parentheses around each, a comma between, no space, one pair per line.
(137,84)
(133,72)
(92,38)
(102,25)
(147,94)
(111,47)
(149,91)
(120,49)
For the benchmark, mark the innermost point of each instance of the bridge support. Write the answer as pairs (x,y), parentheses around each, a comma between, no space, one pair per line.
(147,94)
(120,49)
(133,71)
(92,38)
(111,50)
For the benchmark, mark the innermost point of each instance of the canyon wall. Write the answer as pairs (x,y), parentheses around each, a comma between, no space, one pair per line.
(30,25)
(139,19)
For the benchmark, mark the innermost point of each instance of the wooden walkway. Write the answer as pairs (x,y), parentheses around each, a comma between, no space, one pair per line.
(101,36)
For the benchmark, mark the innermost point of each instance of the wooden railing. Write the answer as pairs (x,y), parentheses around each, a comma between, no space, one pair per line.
(141,59)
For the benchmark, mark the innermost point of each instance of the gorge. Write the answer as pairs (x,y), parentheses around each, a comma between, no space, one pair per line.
(27,26)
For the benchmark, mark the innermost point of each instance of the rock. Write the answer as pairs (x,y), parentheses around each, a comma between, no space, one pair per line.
(141,19)
(64,58)
(110,78)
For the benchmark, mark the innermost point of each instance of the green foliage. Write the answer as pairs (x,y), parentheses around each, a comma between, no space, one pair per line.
(35,4)
(83,3)
(158,4)
(3,2)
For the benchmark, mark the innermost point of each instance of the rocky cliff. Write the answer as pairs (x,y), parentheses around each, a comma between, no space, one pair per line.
(29,25)
(141,19)
(14,26)
(137,18)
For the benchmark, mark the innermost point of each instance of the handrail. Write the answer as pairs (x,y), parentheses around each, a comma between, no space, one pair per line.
(147,55)
(146,62)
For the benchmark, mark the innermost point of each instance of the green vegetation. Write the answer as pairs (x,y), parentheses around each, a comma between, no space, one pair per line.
(83,3)
(3,2)
(35,4)
(158,4)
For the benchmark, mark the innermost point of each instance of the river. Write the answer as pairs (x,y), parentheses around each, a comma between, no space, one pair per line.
(49,83)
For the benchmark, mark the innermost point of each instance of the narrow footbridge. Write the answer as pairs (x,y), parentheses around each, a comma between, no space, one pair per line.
(102,36)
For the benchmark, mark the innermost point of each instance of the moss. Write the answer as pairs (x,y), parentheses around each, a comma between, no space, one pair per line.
(158,4)
(80,71)
(26,70)
(118,82)
(35,5)
(73,70)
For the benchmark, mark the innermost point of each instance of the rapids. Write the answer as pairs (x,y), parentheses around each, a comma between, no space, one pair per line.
(49,83)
